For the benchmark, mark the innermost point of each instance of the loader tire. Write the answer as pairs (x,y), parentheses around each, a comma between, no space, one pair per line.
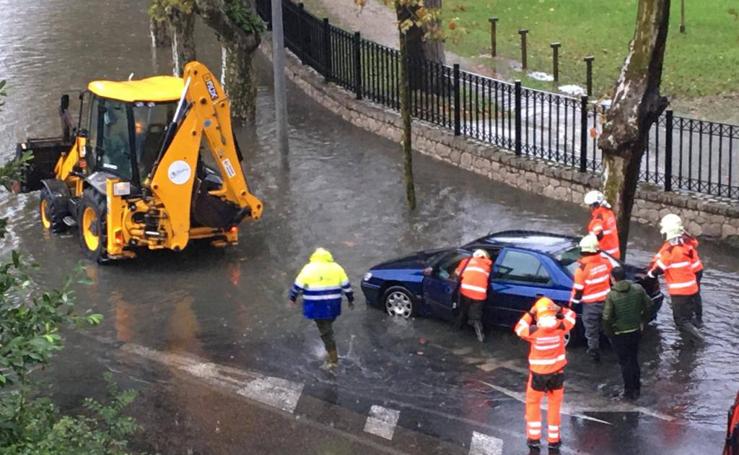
(93,226)
(52,216)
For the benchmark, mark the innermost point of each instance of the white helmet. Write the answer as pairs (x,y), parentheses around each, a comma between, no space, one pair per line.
(547,322)
(480,254)
(594,197)
(673,232)
(670,222)
(589,244)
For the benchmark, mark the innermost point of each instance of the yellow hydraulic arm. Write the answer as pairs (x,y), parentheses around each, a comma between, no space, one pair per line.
(207,113)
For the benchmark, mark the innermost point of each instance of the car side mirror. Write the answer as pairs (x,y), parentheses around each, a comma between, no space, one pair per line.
(428,271)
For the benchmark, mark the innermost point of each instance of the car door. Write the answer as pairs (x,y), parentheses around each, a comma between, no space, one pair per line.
(440,286)
(518,277)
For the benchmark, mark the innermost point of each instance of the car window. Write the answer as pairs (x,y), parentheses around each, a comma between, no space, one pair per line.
(569,259)
(446,266)
(522,267)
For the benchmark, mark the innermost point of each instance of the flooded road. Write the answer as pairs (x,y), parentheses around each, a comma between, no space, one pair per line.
(169,318)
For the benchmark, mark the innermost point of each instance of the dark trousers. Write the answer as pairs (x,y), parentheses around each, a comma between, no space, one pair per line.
(326,329)
(627,349)
(698,299)
(684,307)
(470,310)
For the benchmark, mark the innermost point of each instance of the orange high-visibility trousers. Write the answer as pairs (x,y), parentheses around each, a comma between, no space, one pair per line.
(533,412)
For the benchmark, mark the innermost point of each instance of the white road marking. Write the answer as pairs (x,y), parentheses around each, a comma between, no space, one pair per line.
(381,422)
(275,392)
(598,406)
(483,444)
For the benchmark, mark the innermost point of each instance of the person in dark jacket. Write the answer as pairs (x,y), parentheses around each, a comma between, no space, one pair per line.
(625,312)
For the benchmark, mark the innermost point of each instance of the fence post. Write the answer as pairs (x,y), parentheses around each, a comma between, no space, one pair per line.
(668,149)
(457,106)
(358,65)
(301,30)
(517,93)
(327,55)
(583,133)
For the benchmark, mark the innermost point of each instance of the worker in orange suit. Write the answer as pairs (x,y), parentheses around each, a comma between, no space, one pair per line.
(603,223)
(672,221)
(676,260)
(474,280)
(545,327)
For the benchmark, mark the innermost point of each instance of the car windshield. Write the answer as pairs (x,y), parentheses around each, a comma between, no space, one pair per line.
(569,256)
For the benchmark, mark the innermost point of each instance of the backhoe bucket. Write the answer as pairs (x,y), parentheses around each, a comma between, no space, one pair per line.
(45,154)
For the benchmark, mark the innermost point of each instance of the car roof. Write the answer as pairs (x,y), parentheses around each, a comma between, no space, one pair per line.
(543,242)
(152,89)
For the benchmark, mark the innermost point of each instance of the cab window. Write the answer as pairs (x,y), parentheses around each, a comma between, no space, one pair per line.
(113,142)
(522,267)
(151,120)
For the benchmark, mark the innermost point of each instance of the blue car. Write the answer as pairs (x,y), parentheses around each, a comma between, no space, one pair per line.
(525,264)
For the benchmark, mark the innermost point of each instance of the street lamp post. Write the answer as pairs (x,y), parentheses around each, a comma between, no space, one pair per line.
(278,68)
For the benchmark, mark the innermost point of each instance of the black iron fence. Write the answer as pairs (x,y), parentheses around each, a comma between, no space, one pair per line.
(682,153)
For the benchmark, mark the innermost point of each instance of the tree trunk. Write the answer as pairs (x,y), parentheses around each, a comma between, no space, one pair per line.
(182,31)
(240,81)
(420,50)
(239,47)
(159,33)
(405,114)
(636,105)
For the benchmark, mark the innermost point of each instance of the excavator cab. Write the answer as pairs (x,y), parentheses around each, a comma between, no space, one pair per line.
(152,163)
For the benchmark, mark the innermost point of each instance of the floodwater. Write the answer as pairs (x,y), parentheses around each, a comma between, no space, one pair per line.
(340,188)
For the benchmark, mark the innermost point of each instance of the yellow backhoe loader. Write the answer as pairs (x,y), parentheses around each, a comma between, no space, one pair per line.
(131,175)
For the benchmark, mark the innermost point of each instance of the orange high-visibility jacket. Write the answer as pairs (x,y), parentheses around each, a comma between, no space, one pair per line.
(592,279)
(603,226)
(547,352)
(475,277)
(692,242)
(676,261)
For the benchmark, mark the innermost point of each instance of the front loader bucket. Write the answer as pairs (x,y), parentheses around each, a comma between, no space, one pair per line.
(46,153)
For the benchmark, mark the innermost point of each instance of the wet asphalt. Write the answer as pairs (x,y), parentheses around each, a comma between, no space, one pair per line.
(340,188)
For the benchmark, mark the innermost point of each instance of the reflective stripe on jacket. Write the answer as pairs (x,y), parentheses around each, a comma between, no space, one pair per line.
(676,261)
(592,279)
(547,353)
(603,226)
(322,283)
(474,277)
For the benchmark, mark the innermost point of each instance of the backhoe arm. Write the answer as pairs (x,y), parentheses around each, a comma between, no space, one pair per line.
(210,104)
(207,115)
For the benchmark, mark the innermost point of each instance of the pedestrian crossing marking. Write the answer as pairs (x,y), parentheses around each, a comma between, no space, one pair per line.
(483,444)
(381,422)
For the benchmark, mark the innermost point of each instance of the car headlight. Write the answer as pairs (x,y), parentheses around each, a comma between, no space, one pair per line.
(367,276)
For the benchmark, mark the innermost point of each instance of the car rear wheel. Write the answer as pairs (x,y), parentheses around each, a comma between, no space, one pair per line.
(399,302)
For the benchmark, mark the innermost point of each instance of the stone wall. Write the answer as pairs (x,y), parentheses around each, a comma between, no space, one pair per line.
(704,216)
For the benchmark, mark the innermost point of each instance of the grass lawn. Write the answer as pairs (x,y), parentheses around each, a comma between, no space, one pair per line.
(702,62)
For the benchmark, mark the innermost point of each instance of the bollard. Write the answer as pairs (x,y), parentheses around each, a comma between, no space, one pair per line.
(555,60)
(493,40)
(589,73)
(523,33)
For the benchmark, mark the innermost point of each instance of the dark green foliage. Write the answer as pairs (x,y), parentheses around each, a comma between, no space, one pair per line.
(245,18)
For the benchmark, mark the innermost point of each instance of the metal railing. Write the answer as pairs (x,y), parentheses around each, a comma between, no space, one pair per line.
(682,153)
